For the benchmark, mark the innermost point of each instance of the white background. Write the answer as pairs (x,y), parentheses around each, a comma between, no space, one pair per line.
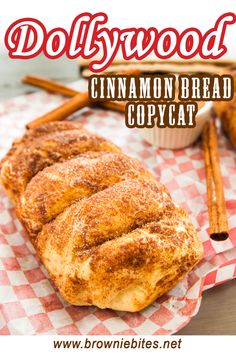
(190,344)
(146,13)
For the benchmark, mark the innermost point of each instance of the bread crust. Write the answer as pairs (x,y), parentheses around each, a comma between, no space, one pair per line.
(58,186)
(43,147)
(123,254)
(108,233)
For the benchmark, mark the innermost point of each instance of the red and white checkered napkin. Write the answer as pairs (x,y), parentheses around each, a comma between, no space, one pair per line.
(29,302)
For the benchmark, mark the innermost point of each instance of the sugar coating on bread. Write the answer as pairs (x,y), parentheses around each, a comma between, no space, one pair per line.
(108,233)
(57,186)
(44,147)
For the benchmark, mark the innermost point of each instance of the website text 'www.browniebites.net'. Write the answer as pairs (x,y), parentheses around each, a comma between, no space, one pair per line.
(139,343)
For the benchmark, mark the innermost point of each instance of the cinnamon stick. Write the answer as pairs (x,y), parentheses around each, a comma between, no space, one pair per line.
(79,101)
(226,111)
(215,191)
(55,87)
(49,85)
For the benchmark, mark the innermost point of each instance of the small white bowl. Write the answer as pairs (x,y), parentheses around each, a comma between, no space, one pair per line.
(178,138)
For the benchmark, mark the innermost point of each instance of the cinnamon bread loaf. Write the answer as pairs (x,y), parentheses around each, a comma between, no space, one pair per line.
(108,233)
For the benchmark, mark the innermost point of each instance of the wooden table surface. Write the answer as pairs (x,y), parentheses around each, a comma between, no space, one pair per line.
(217,313)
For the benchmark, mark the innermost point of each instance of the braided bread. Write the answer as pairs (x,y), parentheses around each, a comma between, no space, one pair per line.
(44,146)
(108,233)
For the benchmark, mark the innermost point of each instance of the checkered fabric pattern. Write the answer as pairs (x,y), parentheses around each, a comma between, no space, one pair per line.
(29,302)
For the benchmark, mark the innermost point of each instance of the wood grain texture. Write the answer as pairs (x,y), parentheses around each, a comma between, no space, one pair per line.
(217,315)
